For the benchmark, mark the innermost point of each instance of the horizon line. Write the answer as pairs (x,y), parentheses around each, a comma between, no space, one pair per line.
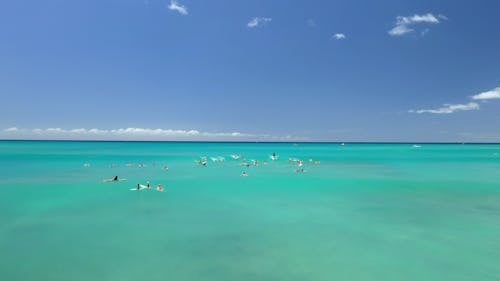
(250,141)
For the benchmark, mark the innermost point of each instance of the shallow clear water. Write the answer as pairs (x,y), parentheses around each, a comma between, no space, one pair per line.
(365,212)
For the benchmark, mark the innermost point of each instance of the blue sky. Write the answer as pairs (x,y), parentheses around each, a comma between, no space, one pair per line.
(245,70)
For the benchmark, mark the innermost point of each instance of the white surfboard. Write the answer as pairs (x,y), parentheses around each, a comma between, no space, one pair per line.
(111,180)
(141,187)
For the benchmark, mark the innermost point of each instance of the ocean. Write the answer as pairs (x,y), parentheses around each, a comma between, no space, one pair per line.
(348,212)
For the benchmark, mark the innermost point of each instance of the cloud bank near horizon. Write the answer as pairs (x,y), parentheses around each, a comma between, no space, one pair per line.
(452,108)
(136,134)
(449,108)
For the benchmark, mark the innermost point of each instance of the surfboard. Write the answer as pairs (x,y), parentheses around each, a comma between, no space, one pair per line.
(111,180)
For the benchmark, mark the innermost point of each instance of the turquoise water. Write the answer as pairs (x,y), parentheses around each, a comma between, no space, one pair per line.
(365,212)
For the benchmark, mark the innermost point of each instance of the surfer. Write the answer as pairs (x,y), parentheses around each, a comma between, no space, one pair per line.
(202,162)
(113,179)
(138,186)
(274,156)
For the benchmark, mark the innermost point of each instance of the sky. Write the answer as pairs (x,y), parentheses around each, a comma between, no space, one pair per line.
(275,70)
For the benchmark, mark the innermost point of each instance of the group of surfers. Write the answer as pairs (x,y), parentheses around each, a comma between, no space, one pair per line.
(203,162)
(159,187)
(148,186)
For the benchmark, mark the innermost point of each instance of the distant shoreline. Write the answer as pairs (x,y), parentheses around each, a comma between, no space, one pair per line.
(265,142)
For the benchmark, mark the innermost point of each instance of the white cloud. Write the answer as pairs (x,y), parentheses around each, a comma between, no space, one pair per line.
(134,134)
(13,129)
(443,17)
(403,24)
(258,21)
(339,36)
(311,23)
(399,30)
(449,108)
(175,6)
(488,95)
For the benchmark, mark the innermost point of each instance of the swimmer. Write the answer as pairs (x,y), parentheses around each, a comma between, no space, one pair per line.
(159,188)
(244,174)
(165,168)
